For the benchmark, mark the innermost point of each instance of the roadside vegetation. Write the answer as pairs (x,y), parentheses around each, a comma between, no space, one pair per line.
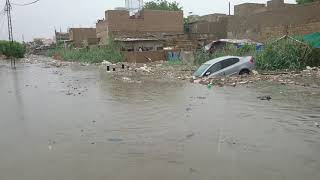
(306,1)
(12,50)
(285,54)
(96,54)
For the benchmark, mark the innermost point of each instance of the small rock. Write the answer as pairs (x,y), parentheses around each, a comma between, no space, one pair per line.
(115,140)
(190,135)
(264,98)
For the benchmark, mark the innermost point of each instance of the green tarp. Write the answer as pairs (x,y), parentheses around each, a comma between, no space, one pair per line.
(313,39)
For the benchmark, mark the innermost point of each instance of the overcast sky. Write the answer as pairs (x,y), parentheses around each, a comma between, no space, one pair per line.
(40,19)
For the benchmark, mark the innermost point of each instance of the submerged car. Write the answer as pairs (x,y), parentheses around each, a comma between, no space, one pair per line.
(226,66)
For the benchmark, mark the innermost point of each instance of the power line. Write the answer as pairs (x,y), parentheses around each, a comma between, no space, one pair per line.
(25,4)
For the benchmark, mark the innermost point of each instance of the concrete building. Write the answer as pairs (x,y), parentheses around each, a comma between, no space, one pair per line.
(83,36)
(145,23)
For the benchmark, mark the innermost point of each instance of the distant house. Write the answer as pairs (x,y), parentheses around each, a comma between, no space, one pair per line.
(83,36)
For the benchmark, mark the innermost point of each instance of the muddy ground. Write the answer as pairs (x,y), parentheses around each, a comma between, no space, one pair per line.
(132,72)
(61,120)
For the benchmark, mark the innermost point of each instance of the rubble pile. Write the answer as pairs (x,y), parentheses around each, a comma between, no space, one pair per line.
(157,70)
(48,62)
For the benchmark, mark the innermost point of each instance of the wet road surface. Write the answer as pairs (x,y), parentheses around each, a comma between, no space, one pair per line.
(78,123)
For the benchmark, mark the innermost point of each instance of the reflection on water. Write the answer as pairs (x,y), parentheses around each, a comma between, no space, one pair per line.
(79,123)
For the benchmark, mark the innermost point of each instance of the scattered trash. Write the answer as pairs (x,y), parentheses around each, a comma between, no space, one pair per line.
(115,139)
(50,144)
(190,135)
(106,63)
(317,124)
(191,170)
(188,109)
(255,73)
(84,64)
(200,97)
(264,98)
(145,68)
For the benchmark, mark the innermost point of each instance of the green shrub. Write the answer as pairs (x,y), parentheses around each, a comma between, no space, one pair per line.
(12,49)
(283,54)
(110,52)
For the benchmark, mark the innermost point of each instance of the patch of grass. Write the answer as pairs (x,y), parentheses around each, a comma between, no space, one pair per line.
(15,49)
(174,62)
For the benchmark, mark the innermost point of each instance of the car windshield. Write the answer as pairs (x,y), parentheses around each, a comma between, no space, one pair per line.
(201,70)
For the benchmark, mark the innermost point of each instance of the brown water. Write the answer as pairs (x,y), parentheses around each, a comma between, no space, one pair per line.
(78,123)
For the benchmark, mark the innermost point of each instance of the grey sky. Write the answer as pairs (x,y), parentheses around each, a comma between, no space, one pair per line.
(40,19)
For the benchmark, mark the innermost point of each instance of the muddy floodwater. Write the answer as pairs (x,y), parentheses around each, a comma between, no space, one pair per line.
(80,123)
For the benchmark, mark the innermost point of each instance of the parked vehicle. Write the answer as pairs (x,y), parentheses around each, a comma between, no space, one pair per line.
(225,66)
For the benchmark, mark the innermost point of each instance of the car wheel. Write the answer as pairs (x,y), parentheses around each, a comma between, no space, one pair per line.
(244,71)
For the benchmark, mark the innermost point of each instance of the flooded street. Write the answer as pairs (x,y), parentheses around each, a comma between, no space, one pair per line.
(79,123)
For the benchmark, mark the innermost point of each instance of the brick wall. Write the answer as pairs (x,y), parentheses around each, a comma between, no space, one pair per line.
(119,23)
(102,31)
(278,31)
(217,29)
(248,8)
(209,18)
(78,35)
(300,19)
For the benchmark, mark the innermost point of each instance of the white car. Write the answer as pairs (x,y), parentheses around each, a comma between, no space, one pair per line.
(225,66)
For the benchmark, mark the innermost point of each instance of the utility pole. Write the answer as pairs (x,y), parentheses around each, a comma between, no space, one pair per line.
(8,10)
(229,8)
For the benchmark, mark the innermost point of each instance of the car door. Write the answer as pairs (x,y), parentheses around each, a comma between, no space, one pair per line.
(229,66)
(214,69)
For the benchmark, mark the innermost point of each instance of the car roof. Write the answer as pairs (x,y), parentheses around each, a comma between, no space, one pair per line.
(213,61)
